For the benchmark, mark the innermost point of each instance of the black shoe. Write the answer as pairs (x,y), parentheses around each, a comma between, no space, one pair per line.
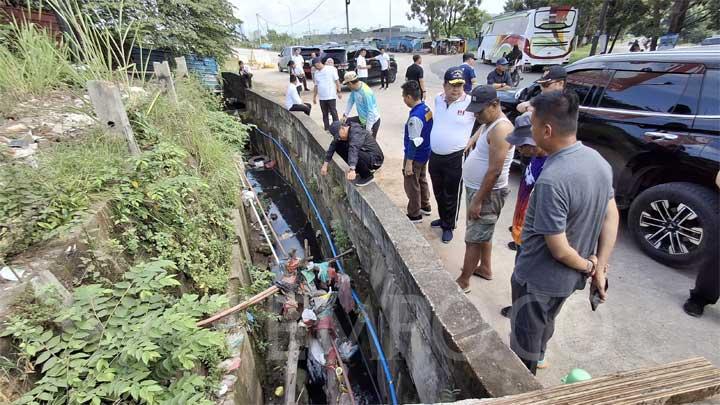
(447,235)
(415,220)
(426,211)
(436,223)
(512,246)
(510,229)
(506,311)
(693,308)
(364,181)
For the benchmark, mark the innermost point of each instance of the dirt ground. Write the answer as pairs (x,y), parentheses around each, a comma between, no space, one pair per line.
(642,324)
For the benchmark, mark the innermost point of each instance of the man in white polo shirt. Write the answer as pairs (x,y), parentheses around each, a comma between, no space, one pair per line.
(361,66)
(450,134)
(299,67)
(327,87)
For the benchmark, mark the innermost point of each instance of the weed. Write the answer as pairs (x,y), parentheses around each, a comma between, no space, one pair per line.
(340,235)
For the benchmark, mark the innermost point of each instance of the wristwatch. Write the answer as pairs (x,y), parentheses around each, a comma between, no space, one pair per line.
(589,266)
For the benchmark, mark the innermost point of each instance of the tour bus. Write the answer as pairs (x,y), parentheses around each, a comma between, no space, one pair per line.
(544,36)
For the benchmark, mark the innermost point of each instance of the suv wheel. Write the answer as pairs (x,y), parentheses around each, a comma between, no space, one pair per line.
(279,67)
(676,223)
(392,76)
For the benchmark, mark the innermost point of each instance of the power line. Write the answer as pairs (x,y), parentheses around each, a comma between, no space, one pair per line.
(295,22)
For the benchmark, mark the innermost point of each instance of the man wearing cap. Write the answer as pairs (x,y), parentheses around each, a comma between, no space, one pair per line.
(468,68)
(452,128)
(327,87)
(570,227)
(552,80)
(363,97)
(485,174)
(358,148)
(500,77)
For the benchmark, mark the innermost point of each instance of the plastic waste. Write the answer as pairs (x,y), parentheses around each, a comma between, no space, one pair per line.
(308,315)
(346,349)
(576,375)
(323,271)
(317,352)
(279,391)
(345,292)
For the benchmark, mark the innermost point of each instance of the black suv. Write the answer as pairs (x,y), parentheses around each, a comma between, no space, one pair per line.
(344,58)
(655,117)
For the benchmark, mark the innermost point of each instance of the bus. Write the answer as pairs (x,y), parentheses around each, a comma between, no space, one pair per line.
(545,36)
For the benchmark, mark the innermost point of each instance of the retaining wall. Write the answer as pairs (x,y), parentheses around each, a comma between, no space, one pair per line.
(434,328)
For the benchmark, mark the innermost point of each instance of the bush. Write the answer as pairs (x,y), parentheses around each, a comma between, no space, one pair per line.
(133,340)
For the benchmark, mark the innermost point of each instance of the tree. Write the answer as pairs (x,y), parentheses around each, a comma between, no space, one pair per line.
(520,5)
(453,11)
(428,12)
(471,23)
(202,27)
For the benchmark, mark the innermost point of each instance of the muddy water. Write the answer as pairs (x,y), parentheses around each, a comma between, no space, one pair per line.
(291,224)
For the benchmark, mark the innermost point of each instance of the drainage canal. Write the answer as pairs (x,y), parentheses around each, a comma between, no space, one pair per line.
(335,358)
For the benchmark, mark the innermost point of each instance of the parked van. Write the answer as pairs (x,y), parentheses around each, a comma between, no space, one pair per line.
(544,35)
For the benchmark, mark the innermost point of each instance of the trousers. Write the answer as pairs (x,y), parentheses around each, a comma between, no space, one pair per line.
(446,175)
(366,163)
(384,82)
(417,189)
(304,107)
(328,107)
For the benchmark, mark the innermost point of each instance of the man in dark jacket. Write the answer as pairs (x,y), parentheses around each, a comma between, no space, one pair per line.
(358,148)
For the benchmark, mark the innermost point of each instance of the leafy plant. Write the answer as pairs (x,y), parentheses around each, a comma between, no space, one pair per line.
(340,235)
(133,340)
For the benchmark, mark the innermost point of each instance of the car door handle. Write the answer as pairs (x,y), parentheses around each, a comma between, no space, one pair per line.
(661,136)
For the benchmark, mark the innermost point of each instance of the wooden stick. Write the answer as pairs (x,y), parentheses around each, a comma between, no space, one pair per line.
(252,301)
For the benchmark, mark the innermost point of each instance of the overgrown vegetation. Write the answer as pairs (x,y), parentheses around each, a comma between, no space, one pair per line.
(134,340)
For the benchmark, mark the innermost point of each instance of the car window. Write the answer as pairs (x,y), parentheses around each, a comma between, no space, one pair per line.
(585,82)
(644,91)
(710,100)
(372,53)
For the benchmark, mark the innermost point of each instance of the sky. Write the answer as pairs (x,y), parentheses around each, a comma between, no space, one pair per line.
(364,14)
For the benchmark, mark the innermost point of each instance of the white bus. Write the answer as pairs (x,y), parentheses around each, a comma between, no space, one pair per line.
(545,36)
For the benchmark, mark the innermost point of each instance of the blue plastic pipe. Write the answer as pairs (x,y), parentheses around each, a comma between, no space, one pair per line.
(326,232)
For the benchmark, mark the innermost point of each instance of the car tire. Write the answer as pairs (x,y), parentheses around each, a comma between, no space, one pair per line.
(676,223)
(280,68)
(392,76)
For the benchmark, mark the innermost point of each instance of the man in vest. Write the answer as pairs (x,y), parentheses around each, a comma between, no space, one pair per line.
(485,174)
(417,152)
(363,97)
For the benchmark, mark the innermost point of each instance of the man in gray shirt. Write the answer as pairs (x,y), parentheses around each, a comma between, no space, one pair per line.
(570,227)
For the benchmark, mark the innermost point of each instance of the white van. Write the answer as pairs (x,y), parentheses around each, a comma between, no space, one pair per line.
(545,36)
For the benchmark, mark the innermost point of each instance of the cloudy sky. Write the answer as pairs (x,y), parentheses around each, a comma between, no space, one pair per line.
(331,14)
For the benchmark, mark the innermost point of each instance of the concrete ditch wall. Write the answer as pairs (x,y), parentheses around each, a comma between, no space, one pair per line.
(434,328)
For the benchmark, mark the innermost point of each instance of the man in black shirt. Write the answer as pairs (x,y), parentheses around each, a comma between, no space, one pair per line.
(500,77)
(415,72)
(358,148)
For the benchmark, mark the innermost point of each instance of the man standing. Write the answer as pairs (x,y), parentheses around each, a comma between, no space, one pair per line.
(415,72)
(299,70)
(570,227)
(452,127)
(361,66)
(500,77)
(384,60)
(327,87)
(358,148)
(485,174)
(364,98)
(417,152)
(245,74)
(468,68)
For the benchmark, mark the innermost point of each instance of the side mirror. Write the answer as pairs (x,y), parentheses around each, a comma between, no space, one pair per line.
(280,55)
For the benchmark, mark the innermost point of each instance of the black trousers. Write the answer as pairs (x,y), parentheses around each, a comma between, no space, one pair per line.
(375,127)
(532,323)
(303,79)
(246,80)
(305,107)
(707,283)
(366,162)
(328,107)
(384,82)
(446,175)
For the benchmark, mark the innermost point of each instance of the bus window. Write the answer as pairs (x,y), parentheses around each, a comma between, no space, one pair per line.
(554,19)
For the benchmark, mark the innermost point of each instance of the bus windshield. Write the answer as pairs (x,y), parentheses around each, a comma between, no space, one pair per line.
(554,19)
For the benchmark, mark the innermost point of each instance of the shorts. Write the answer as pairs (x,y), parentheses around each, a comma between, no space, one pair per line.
(482,229)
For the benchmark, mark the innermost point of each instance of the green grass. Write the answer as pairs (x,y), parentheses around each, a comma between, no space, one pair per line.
(579,53)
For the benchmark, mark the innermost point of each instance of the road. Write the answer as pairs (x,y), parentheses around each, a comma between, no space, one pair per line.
(642,323)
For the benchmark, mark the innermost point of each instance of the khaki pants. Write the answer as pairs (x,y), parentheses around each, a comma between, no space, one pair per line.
(416,189)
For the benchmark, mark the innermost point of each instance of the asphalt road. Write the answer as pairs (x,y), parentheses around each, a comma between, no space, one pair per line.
(642,323)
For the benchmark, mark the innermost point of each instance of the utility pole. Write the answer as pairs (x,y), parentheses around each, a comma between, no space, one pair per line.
(389,22)
(347,19)
(601,27)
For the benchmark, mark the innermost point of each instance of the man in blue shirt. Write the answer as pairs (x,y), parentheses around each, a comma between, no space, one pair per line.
(417,152)
(500,77)
(468,68)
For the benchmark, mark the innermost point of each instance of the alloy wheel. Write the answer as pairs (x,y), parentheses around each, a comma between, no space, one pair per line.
(671,227)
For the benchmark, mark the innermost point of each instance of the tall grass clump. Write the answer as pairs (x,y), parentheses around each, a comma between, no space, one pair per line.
(31,62)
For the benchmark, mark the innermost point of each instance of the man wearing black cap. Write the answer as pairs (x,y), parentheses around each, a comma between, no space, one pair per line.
(358,148)
(485,174)
(552,80)
(500,77)
(468,68)
(452,128)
